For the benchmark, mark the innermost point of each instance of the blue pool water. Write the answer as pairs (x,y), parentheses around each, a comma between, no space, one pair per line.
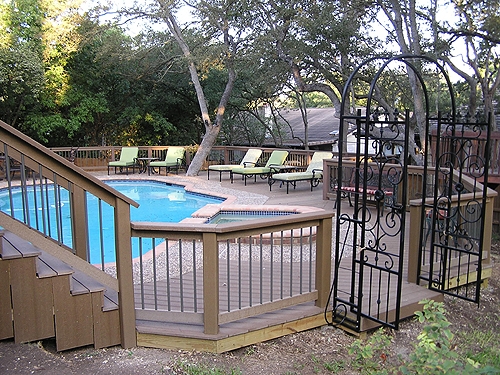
(159,202)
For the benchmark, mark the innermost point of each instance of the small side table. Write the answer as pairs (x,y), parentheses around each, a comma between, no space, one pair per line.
(144,163)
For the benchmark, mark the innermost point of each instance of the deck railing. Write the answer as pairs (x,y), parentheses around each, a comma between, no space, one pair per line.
(94,159)
(468,205)
(212,274)
(53,190)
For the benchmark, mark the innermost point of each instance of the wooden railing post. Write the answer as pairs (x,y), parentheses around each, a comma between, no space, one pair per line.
(210,284)
(414,242)
(488,229)
(79,218)
(323,261)
(124,269)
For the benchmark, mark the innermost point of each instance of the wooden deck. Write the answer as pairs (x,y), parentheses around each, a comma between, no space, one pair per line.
(266,326)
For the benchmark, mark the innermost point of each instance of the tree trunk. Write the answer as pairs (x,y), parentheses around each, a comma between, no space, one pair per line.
(211,129)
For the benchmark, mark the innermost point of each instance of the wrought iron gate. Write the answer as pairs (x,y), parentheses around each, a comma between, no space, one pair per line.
(371,203)
(370,233)
(451,243)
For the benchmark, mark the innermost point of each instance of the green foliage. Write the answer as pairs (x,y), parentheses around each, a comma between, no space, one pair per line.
(370,355)
(435,352)
(184,368)
(334,367)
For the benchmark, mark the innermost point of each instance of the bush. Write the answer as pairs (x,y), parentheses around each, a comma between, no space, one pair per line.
(434,353)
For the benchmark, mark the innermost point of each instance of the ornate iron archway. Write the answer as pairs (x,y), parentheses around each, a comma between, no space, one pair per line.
(371,232)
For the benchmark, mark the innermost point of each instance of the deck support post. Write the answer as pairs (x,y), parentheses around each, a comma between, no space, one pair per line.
(488,231)
(414,242)
(124,269)
(323,261)
(210,284)
(79,220)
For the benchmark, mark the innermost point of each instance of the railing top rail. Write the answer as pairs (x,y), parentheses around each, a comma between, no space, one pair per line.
(272,224)
(60,165)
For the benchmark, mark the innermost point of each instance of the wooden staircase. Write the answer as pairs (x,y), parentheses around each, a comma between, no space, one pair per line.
(43,297)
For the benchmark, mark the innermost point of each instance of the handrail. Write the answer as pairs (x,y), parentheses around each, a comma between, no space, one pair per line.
(58,164)
(97,157)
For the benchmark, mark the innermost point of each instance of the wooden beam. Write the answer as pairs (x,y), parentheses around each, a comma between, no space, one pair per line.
(124,269)
(210,283)
(323,261)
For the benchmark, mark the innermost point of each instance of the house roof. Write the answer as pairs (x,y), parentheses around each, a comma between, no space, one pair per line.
(321,122)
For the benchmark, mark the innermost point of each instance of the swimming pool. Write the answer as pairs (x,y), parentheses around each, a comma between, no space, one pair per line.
(159,202)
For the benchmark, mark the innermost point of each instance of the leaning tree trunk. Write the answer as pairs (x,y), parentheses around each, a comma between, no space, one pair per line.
(211,128)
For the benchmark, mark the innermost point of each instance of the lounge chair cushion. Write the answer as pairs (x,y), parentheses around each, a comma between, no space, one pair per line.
(297,176)
(127,157)
(276,158)
(173,158)
(250,159)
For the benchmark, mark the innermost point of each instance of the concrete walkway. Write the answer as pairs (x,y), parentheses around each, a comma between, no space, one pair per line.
(300,196)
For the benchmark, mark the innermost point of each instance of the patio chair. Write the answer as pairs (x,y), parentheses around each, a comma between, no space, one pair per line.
(249,160)
(276,160)
(313,173)
(127,159)
(174,159)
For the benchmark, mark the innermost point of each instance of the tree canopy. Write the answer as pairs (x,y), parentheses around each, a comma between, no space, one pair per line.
(69,77)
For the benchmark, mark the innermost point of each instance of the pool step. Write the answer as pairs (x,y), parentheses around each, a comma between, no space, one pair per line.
(43,297)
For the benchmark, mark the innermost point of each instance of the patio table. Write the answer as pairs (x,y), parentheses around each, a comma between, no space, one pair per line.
(144,163)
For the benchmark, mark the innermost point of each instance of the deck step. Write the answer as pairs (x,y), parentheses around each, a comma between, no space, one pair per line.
(26,248)
(13,247)
(85,284)
(44,297)
(50,266)
(110,300)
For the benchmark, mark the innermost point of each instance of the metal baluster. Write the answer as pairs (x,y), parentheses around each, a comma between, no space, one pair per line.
(155,285)
(181,281)
(141,273)
(167,265)
(250,269)
(195,291)
(282,266)
(271,268)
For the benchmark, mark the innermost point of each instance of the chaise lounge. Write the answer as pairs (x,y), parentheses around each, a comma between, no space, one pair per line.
(249,160)
(127,159)
(313,173)
(174,159)
(273,164)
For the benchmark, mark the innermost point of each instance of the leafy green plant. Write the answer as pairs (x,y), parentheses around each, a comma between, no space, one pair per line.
(370,355)
(488,341)
(434,353)
(334,366)
(184,368)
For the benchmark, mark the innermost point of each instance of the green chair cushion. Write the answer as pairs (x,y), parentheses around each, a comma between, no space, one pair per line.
(251,157)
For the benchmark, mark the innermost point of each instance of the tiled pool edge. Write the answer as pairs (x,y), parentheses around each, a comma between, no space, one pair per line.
(210,210)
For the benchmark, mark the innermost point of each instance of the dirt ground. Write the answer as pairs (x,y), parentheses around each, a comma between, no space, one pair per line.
(318,351)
